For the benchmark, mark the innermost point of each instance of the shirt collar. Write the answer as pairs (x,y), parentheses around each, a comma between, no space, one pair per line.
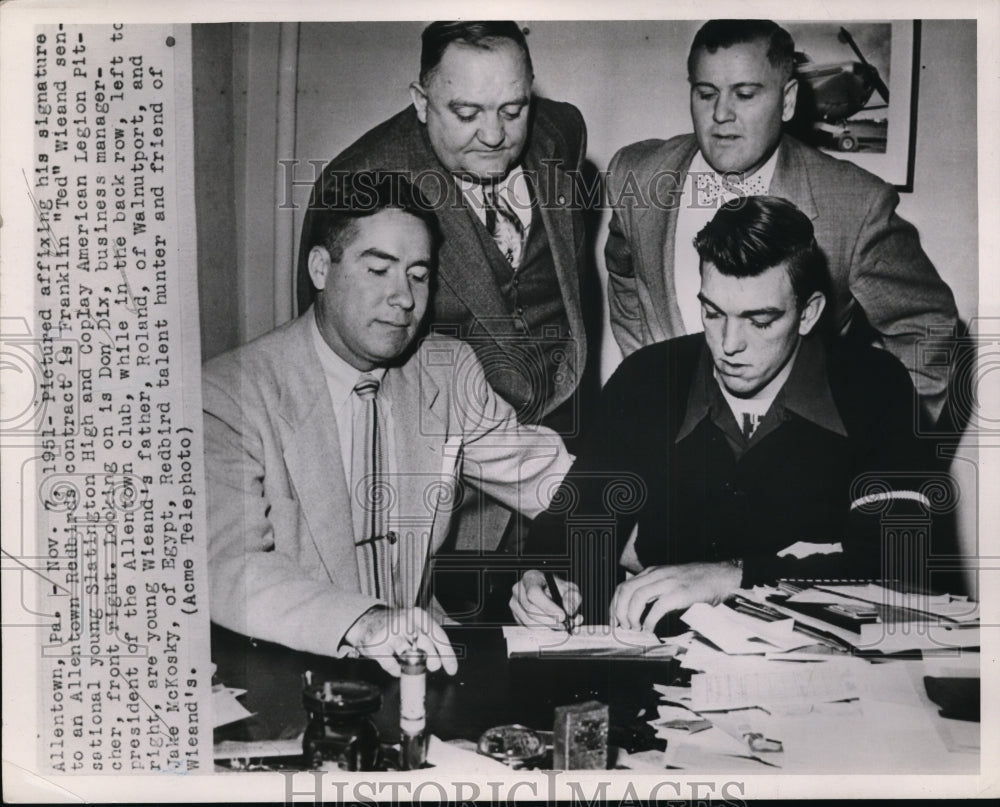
(507,185)
(340,376)
(806,392)
(766,172)
(513,188)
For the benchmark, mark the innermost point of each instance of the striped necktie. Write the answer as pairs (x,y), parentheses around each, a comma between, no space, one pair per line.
(369,496)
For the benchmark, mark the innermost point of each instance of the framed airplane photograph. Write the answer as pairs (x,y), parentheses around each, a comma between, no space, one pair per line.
(857,97)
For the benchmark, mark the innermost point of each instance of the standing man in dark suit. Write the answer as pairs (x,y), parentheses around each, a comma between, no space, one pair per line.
(498,167)
(885,290)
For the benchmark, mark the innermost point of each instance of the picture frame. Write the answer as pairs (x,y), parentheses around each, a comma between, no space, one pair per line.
(841,109)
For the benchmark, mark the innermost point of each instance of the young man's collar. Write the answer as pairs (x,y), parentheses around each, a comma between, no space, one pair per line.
(806,392)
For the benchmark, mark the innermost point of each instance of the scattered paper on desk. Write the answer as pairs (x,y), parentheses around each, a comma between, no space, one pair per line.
(737,633)
(700,657)
(871,592)
(650,761)
(668,712)
(752,726)
(949,606)
(587,640)
(673,694)
(820,653)
(715,751)
(225,708)
(811,683)
(917,634)
(257,749)
(677,717)
(822,596)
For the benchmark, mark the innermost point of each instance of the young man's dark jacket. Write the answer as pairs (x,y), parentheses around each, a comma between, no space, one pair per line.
(834,456)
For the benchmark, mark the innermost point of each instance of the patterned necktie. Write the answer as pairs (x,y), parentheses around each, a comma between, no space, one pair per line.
(369,496)
(504,225)
(713,189)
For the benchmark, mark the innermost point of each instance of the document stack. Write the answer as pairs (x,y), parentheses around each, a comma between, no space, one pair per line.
(821,680)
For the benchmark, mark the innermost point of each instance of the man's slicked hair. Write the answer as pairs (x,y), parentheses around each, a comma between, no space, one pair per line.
(478,34)
(749,235)
(359,195)
(716,34)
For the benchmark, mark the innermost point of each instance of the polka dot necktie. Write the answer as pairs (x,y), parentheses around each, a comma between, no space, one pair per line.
(715,189)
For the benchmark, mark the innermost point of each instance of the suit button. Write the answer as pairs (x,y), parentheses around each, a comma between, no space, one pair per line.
(727,487)
(519,311)
(514,282)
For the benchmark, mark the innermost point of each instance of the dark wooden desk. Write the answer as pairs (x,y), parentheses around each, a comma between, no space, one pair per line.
(488,690)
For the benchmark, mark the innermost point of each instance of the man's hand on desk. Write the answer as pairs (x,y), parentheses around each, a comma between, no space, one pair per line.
(381,633)
(671,588)
(531,603)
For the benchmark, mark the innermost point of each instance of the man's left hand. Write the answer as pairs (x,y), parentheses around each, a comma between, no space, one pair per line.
(671,588)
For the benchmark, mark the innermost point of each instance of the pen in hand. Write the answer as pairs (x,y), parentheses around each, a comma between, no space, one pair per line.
(556,597)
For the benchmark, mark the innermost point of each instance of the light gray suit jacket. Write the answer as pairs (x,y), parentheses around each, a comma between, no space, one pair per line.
(282,559)
(878,270)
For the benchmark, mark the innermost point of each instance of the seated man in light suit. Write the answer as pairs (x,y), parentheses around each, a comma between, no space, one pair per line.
(754,451)
(334,445)
(884,291)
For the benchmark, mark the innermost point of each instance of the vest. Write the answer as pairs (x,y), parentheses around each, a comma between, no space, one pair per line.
(539,348)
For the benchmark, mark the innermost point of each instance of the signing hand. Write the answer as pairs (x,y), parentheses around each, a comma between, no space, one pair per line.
(671,588)
(382,633)
(531,604)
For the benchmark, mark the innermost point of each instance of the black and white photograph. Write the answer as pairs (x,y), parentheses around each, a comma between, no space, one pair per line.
(551,408)
(846,80)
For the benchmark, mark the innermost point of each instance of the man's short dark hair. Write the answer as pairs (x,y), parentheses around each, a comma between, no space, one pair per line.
(716,34)
(478,34)
(748,236)
(350,197)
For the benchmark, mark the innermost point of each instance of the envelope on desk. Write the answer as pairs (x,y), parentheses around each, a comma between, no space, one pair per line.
(592,640)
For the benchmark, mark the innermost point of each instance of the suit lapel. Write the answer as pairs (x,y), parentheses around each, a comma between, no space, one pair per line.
(657,236)
(468,279)
(419,433)
(791,178)
(554,190)
(313,458)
